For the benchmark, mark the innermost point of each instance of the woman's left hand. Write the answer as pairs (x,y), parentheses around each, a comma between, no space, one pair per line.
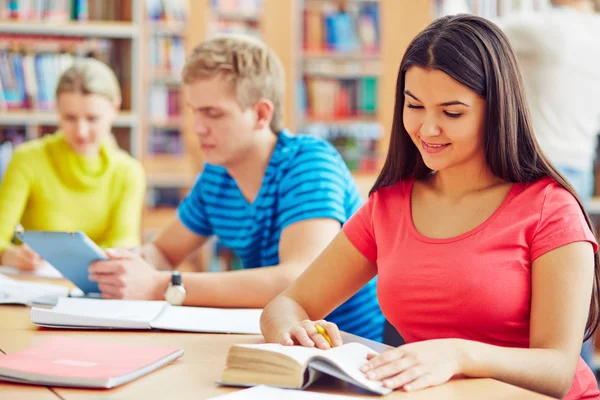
(417,365)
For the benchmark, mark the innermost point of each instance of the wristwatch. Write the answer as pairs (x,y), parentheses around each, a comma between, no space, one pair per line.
(175,293)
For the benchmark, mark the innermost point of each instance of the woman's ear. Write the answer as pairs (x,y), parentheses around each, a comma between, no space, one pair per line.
(264,111)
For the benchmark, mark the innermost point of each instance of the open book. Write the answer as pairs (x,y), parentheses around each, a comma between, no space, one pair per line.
(131,314)
(70,362)
(297,367)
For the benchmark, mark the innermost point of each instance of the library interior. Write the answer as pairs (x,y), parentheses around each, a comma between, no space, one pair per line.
(341,61)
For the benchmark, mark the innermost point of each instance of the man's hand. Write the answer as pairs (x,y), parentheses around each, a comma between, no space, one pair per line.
(126,276)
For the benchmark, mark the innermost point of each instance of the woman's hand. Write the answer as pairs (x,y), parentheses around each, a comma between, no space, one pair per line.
(306,334)
(22,257)
(417,365)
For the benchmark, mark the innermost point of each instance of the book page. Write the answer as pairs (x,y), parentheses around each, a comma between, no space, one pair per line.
(348,359)
(299,354)
(209,320)
(272,393)
(130,310)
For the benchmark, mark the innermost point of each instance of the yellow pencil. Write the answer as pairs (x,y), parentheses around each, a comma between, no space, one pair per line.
(324,334)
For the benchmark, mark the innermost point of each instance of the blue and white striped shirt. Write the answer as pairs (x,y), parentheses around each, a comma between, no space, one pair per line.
(306,179)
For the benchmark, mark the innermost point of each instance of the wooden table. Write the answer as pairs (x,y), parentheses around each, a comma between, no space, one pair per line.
(194,375)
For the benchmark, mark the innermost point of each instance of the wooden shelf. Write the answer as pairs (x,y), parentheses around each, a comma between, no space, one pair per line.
(340,55)
(171,180)
(168,166)
(366,119)
(241,17)
(124,119)
(364,182)
(175,28)
(104,29)
(171,123)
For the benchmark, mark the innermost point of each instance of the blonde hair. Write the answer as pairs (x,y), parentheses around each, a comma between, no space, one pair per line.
(253,70)
(90,76)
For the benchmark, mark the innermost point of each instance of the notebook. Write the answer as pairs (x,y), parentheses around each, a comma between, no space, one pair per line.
(27,293)
(145,315)
(71,362)
(272,393)
(297,367)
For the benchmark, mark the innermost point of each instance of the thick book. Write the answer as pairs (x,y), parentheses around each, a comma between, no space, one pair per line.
(297,367)
(70,362)
(85,313)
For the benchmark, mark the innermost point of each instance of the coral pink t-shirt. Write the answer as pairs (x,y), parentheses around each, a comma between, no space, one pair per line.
(475,286)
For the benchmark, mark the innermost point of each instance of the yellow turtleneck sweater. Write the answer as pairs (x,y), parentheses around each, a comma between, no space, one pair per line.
(48,186)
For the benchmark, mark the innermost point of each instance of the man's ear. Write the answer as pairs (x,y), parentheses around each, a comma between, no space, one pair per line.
(117,104)
(264,111)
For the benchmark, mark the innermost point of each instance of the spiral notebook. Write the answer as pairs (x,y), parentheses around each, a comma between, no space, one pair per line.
(70,362)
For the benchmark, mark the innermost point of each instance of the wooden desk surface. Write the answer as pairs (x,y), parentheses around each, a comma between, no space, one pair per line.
(194,375)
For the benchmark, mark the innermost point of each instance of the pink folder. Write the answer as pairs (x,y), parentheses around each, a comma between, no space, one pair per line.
(63,361)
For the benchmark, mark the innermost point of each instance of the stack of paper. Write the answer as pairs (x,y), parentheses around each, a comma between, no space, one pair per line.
(21,292)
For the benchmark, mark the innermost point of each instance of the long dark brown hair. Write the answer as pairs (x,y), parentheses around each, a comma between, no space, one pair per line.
(475,52)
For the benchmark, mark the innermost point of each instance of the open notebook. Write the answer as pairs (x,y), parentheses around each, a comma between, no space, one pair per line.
(297,367)
(71,362)
(131,314)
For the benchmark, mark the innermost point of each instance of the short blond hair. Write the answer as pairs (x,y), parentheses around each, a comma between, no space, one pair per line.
(251,67)
(90,76)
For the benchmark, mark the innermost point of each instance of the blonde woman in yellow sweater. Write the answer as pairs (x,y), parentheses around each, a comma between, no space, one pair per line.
(76,178)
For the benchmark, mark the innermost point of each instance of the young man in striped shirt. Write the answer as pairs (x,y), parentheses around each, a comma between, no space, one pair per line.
(274,198)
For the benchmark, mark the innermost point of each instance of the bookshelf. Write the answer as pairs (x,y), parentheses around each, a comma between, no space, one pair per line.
(49,36)
(123,34)
(284,29)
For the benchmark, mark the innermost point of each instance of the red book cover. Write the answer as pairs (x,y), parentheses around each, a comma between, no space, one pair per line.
(63,361)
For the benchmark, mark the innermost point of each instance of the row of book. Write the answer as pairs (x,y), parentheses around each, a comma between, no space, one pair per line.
(327,26)
(167,10)
(338,98)
(167,55)
(164,103)
(165,141)
(164,197)
(490,9)
(28,79)
(356,142)
(59,10)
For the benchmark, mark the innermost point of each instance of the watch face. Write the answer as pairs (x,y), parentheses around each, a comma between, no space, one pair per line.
(175,295)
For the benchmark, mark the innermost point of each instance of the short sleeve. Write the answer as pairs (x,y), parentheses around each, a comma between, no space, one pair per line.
(314,187)
(359,230)
(192,211)
(561,222)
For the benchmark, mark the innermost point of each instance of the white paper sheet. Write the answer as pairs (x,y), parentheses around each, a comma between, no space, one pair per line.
(130,310)
(217,320)
(271,393)
(21,292)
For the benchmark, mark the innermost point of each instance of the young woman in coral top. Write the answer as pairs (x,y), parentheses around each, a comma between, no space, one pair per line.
(485,257)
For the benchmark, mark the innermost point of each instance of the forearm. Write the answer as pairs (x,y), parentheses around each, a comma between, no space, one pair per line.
(547,371)
(281,315)
(251,288)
